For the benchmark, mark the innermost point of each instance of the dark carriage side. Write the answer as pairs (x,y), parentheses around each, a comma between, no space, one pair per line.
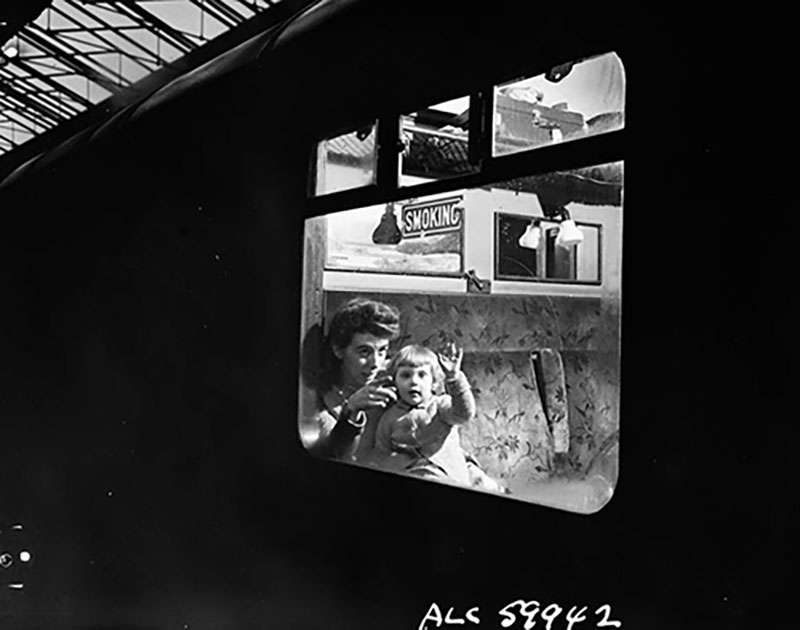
(152,280)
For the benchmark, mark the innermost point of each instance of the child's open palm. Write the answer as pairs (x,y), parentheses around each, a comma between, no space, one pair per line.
(450,358)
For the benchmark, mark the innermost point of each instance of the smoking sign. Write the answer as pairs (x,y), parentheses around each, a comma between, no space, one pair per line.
(431,217)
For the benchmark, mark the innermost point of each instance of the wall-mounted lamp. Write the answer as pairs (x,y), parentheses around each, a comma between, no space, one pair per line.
(533,234)
(568,234)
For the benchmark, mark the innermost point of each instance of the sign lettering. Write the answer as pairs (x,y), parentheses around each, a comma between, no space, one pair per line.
(427,218)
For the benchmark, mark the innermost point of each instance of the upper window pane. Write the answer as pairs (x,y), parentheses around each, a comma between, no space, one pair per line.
(436,143)
(568,102)
(346,161)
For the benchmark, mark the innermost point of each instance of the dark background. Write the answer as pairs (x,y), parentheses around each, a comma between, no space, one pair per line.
(150,337)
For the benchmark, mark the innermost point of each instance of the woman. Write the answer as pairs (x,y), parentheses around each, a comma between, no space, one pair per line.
(354,394)
(356,390)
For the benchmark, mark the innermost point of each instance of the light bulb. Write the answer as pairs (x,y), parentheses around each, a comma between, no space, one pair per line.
(569,234)
(11,51)
(530,239)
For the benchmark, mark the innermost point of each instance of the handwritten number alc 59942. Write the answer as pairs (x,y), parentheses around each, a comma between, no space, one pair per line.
(524,615)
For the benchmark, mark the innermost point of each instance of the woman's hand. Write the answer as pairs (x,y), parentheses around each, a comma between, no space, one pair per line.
(374,394)
(450,358)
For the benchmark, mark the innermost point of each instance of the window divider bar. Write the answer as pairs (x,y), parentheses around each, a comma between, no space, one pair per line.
(486,128)
(388,151)
(600,149)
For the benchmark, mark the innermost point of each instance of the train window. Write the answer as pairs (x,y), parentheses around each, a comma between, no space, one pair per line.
(436,143)
(568,102)
(545,250)
(346,161)
(482,278)
(541,357)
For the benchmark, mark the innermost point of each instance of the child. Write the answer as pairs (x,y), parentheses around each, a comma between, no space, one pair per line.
(419,433)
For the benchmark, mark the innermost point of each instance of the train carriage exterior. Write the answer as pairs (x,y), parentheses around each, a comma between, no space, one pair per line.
(165,272)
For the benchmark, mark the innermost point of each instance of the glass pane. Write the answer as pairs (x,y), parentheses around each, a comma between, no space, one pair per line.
(567,103)
(539,421)
(347,161)
(435,142)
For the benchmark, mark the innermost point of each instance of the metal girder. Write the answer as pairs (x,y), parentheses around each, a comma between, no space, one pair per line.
(53,100)
(213,10)
(11,122)
(70,58)
(233,15)
(33,72)
(99,34)
(107,45)
(32,104)
(181,41)
(12,114)
(36,101)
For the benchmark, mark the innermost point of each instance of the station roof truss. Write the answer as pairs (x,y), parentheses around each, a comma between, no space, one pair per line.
(83,54)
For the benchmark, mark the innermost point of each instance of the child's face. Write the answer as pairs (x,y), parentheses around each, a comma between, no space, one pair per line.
(414,383)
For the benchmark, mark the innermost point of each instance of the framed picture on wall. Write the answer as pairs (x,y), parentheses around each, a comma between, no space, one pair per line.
(419,237)
(542,258)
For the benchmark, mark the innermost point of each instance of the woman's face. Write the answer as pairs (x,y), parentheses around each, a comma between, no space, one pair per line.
(362,358)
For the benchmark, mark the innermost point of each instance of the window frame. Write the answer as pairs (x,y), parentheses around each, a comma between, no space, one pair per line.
(603,148)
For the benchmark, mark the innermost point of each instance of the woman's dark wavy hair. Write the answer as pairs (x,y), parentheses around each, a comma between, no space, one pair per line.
(359,315)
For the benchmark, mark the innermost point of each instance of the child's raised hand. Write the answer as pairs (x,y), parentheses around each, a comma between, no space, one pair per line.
(450,357)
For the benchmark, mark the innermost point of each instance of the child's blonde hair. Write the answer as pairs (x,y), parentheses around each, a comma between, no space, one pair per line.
(414,355)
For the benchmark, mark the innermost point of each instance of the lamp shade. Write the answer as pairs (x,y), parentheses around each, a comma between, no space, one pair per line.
(569,234)
(531,237)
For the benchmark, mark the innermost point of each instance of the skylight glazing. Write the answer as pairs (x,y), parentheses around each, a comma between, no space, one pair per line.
(78,53)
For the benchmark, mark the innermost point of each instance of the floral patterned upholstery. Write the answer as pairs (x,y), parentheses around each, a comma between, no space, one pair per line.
(509,436)
(512,437)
